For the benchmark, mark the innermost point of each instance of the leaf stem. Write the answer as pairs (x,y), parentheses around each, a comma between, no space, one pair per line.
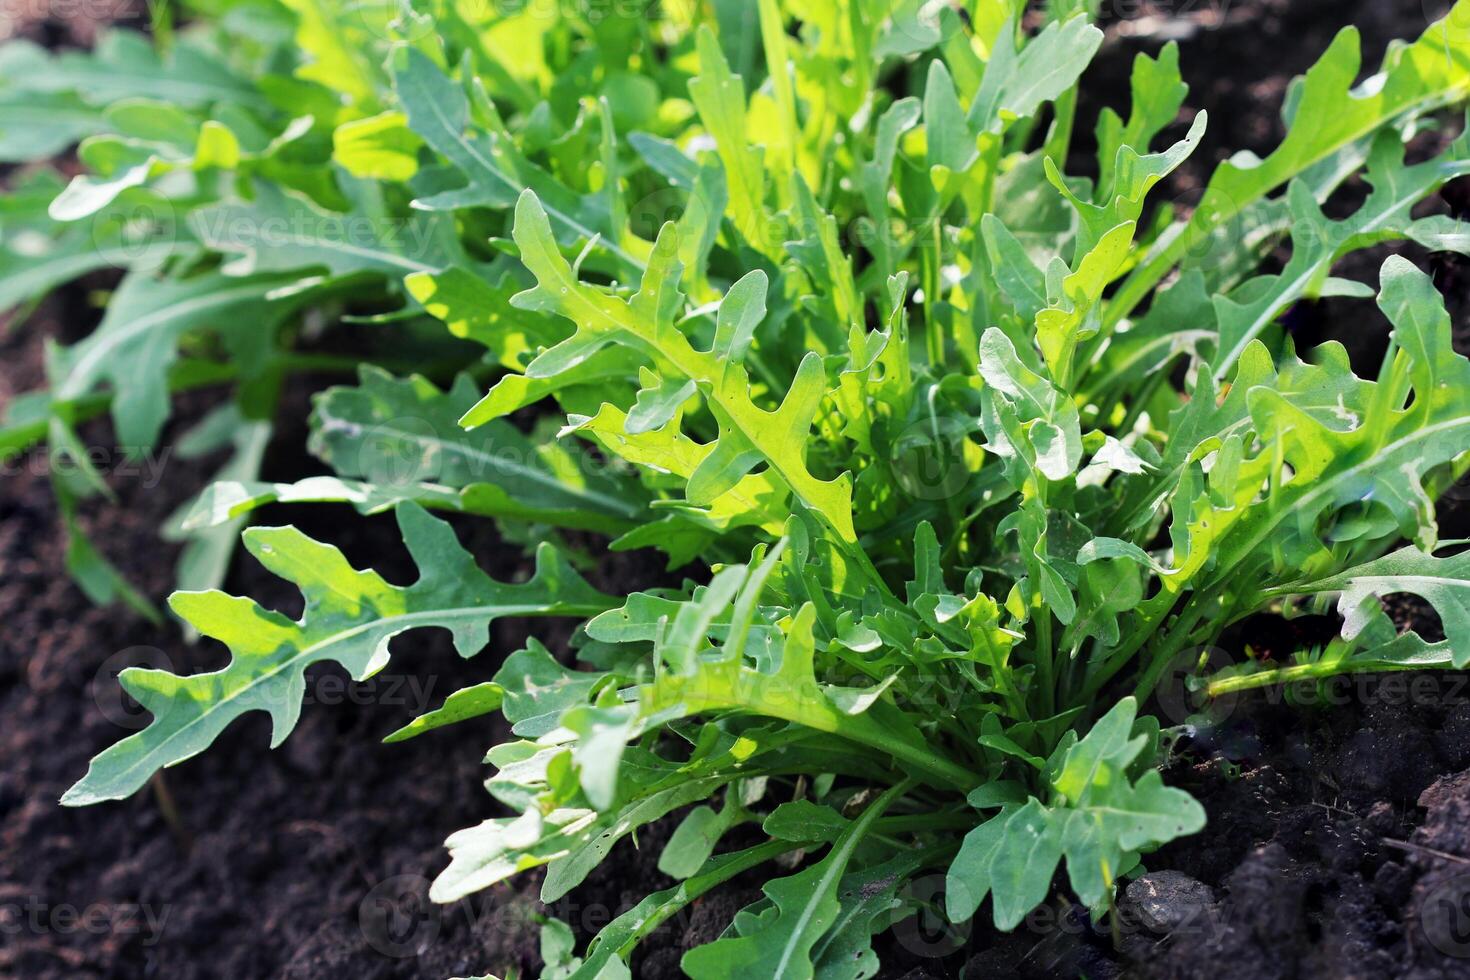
(765,695)
(1099,675)
(725,868)
(1179,637)
(1045,666)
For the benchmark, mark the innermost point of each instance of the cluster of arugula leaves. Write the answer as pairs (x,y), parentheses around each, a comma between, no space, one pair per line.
(958,448)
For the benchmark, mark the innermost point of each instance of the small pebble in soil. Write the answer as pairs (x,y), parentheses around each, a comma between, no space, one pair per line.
(1166,900)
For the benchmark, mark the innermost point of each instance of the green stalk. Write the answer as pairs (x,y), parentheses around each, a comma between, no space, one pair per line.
(1334,663)
(1288,675)
(774,696)
(18,438)
(1059,140)
(1099,674)
(1140,402)
(865,731)
(917,822)
(773,39)
(720,870)
(932,262)
(1178,638)
(1045,667)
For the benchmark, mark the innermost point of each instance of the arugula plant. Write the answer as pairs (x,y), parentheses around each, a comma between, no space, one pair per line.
(962,453)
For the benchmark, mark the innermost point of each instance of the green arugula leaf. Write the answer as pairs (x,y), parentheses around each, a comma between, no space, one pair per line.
(1443,582)
(350,618)
(1433,71)
(805,906)
(439,111)
(280,231)
(1099,819)
(136,344)
(391,432)
(748,433)
(125,65)
(466,703)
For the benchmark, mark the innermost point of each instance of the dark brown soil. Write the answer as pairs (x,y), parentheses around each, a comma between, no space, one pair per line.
(1335,830)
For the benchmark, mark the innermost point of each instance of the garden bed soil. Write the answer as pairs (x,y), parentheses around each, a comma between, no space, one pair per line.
(1339,835)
